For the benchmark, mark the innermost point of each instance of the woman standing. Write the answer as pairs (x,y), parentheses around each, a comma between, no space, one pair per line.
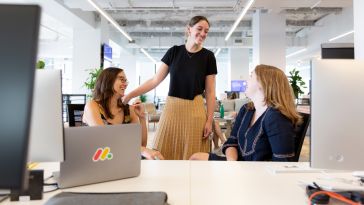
(185,124)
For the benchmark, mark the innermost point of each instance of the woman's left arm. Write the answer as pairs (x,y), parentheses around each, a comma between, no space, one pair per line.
(210,103)
(280,132)
(137,115)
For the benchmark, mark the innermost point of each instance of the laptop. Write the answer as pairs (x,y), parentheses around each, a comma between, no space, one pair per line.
(100,154)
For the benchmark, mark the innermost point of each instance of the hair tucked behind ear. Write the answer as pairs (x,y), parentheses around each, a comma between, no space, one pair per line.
(277,91)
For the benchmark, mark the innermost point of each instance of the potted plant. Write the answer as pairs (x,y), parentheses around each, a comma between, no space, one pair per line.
(143,98)
(91,80)
(296,82)
(40,64)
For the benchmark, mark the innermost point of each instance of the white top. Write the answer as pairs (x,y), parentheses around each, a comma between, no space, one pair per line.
(206,182)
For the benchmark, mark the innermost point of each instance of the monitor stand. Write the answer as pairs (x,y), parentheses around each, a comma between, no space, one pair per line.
(35,187)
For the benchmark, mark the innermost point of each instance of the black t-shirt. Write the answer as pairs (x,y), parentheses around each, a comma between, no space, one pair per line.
(188,71)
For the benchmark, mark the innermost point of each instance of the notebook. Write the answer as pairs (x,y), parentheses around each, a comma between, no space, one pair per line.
(99,154)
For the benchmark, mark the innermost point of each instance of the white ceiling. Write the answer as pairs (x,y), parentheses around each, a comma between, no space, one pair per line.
(150,21)
(156,24)
(161,16)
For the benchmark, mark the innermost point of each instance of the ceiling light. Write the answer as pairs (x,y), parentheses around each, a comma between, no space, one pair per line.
(217,52)
(110,19)
(148,56)
(316,4)
(237,21)
(342,35)
(295,53)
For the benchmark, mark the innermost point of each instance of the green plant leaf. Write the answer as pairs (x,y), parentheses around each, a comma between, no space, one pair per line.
(143,98)
(40,64)
(296,82)
(91,80)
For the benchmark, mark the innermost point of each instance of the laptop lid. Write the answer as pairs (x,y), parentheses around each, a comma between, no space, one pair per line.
(99,154)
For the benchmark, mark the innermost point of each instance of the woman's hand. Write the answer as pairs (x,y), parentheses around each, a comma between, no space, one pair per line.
(207,130)
(151,154)
(231,154)
(138,108)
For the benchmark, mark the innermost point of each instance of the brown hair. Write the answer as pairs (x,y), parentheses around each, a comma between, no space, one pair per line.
(194,20)
(277,91)
(104,90)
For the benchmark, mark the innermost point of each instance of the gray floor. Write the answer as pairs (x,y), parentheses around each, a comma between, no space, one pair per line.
(305,152)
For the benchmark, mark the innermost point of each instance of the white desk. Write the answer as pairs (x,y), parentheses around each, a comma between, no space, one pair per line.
(196,182)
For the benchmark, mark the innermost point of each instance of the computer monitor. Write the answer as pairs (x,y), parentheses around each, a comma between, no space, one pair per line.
(46,136)
(19,26)
(238,85)
(337,125)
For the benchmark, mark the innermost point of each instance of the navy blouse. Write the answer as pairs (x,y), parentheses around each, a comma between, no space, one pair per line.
(271,138)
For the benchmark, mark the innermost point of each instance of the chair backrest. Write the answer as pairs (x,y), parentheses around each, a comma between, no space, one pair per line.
(150,108)
(300,134)
(75,113)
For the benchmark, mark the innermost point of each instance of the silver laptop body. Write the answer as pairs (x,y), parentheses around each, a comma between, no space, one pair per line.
(99,154)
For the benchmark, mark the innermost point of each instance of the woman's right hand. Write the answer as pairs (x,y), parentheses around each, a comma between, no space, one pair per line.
(151,154)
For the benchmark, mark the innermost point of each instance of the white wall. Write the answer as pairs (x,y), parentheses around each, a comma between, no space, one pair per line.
(269,39)
(239,63)
(147,71)
(86,55)
(127,61)
(223,77)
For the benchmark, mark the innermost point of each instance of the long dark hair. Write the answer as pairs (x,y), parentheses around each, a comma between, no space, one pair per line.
(104,90)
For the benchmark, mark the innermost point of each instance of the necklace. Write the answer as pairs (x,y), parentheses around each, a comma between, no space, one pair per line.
(189,54)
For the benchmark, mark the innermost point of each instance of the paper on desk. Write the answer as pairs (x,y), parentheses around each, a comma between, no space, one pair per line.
(284,168)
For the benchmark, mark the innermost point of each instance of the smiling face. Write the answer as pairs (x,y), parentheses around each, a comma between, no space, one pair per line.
(198,32)
(120,84)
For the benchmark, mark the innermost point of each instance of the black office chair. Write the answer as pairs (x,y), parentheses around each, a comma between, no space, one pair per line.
(75,113)
(300,134)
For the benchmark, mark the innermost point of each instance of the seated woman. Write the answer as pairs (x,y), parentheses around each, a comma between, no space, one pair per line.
(106,107)
(264,128)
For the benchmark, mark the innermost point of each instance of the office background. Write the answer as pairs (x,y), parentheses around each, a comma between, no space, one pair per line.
(287,34)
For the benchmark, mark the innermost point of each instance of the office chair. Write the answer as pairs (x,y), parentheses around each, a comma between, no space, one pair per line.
(75,113)
(152,113)
(300,134)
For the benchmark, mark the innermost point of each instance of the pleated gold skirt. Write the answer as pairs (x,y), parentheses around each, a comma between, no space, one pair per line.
(180,130)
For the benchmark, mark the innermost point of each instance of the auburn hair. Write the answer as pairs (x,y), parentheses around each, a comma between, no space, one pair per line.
(277,91)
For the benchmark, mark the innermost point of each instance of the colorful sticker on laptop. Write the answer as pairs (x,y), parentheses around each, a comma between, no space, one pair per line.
(102,154)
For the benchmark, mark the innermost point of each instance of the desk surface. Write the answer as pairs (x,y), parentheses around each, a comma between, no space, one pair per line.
(200,182)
